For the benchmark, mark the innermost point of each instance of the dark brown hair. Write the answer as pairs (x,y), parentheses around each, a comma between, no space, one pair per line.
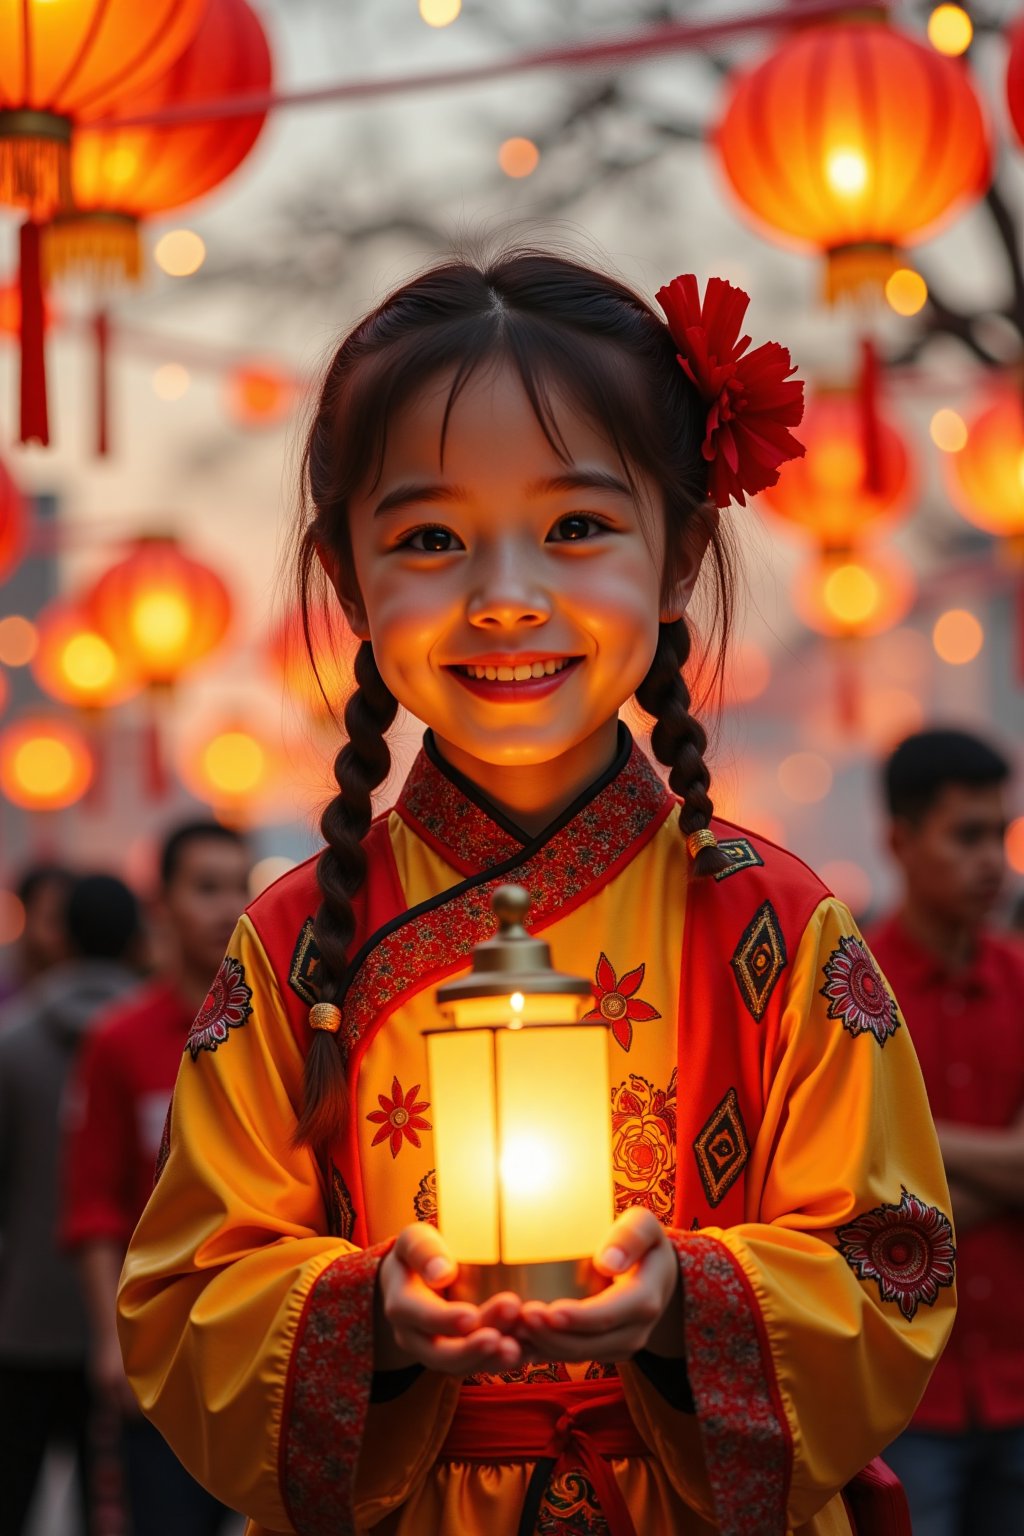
(568,331)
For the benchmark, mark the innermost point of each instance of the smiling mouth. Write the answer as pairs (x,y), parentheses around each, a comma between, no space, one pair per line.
(524,672)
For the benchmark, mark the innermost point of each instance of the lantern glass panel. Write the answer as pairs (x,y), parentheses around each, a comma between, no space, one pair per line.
(461,1065)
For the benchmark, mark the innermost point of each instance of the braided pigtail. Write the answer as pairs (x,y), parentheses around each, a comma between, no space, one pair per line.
(359,768)
(678,738)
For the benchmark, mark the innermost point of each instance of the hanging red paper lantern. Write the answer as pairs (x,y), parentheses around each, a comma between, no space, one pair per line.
(334,649)
(260,396)
(122,175)
(1015,78)
(45,763)
(833,493)
(62,63)
(857,140)
(986,477)
(13,523)
(77,665)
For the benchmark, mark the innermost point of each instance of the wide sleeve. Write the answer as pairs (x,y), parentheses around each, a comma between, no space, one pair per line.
(247,1331)
(812,1327)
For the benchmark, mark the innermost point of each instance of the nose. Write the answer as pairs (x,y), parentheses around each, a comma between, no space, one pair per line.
(505,595)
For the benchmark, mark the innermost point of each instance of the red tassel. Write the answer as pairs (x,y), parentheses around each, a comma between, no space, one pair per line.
(35,426)
(101,330)
(867,397)
(848,700)
(96,798)
(156,772)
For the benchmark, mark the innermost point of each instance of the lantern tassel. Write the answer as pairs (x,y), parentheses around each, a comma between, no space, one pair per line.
(858,271)
(35,171)
(105,246)
(101,332)
(155,770)
(848,699)
(35,425)
(870,426)
(95,801)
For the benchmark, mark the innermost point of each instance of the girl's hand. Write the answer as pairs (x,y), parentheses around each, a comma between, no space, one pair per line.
(415,1325)
(640,1309)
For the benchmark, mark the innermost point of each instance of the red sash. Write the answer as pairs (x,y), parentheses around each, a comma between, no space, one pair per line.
(559,1425)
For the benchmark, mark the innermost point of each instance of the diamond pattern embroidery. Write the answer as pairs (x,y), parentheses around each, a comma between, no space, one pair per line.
(303,978)
(722,1149)
(741,853)
(760,959)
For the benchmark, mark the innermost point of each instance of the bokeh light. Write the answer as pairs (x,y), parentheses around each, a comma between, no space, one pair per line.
(957,636)
(440,13)
(906,291)
(805,777)
(12,918)
(518,158)
(850,882)
(748,673)
(1015,844)
(171,381)
(265,871)
(234,763)
(180,252)
(846,171)
(948,430)
(950,30)
(19,641)
(888,715)
(45,764)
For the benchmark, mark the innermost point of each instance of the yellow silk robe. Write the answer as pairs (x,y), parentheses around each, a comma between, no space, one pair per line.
(767,1106)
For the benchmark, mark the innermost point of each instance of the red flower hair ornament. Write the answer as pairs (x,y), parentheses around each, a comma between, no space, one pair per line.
(751,400)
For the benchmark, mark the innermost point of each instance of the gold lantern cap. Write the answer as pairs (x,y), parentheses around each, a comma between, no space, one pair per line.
(513,960)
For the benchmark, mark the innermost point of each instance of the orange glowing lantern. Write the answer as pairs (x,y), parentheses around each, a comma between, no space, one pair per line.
(233,769)
(62,63)
(45,764)
(854,139)
(1015,78)
(13,523)
(161,610)
(334,651)
(77,665)
(986,478)
(260,396)
(122,175)
(832,492)
(854,595)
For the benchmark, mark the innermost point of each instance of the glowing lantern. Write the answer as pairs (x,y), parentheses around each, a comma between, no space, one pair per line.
(854,139)
(122,175)
(524,1178)
(986,478)
(857,594)
(334,650)
(1015,78)
(62,63)
(833,492)
(13,523)
(160,609)
(232,769)
(260,396)
(45,764)
(75,664)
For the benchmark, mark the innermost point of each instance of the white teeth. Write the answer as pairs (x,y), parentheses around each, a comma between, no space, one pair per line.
(521,673)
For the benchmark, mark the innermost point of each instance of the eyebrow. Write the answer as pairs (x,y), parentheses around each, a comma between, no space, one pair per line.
(427,491)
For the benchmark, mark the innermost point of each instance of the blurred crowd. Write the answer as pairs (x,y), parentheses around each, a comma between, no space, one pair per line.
(94,1013)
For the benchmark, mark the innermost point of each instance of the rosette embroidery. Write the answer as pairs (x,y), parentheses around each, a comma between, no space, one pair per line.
(228,1004)
(857,993)
(907,1249)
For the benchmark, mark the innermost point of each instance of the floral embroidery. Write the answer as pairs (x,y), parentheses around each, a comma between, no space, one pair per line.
(907,1249)
(722,1149)
(227,1006)
(571,862)
(424,1201)
(569,1507)
(523,1375)
(644,1145)
(617,1003)
(341,1214)
(857,993)
(400,1116)
(743,1425)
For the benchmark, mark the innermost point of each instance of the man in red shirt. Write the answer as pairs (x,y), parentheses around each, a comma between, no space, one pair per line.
(115,1120)
(960,988)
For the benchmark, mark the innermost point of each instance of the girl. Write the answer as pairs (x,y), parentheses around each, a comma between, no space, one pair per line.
(513,478)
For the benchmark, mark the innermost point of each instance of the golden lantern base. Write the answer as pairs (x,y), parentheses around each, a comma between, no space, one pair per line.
(556,1280)
(858,271)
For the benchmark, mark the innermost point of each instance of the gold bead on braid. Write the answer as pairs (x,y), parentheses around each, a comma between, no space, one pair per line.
(705,838)
(325,1016)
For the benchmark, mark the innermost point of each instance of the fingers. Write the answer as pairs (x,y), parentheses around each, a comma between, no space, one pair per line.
(635,1232)
(485,1350)
(422,1249)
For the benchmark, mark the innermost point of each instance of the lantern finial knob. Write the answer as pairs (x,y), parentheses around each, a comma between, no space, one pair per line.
(511,904)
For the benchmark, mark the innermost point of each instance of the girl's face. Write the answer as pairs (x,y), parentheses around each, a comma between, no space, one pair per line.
(512,596)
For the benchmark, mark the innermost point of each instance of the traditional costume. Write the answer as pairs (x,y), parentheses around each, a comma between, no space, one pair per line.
(767,1107)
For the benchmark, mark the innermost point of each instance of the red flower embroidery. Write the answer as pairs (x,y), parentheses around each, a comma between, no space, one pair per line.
(856,992)
(617,1004)
(907,1248)
(751,400)
(399,1116)
(227,1006)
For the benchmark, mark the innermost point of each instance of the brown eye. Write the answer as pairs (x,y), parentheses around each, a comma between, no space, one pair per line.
(574,527)
(432,541)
